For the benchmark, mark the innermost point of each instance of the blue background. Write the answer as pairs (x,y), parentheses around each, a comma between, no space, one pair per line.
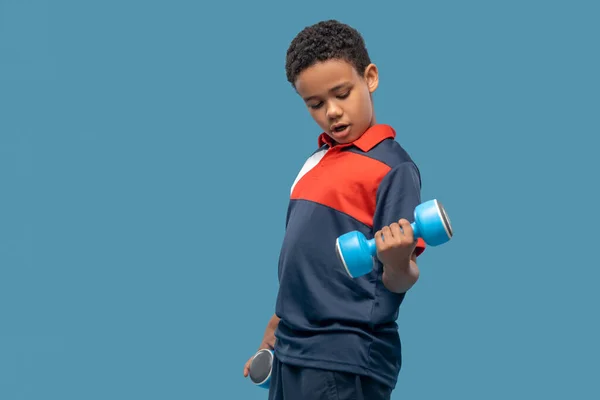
(146,154)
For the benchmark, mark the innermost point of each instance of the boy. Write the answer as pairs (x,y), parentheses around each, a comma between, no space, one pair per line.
(337,336)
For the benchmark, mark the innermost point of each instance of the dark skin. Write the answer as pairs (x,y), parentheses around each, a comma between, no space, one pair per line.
(336,94)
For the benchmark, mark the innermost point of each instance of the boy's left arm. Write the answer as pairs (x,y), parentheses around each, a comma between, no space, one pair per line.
(397,197)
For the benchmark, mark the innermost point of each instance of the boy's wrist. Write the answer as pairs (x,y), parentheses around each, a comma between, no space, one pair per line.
(400,277)
(273,322)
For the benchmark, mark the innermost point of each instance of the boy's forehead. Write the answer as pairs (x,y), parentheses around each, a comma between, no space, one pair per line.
(325,76)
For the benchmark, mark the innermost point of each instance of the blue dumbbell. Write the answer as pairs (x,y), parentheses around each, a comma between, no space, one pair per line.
(431,224)
(260,368)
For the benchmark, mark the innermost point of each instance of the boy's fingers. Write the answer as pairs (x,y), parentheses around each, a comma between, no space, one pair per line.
(396,231)
(378,239)
(406,228)
(247,368)
(387,233)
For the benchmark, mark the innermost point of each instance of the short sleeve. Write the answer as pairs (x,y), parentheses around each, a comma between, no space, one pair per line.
(398,195)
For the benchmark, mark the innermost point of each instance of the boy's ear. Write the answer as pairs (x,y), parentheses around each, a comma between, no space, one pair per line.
(372,77)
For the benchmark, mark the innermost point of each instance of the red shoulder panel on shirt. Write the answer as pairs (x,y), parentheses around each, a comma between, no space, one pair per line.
(349,187)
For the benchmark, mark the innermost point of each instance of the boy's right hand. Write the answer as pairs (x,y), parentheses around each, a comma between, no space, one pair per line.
(268,341)
(262,346)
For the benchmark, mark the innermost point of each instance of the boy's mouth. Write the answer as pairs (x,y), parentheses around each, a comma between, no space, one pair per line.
(340,128)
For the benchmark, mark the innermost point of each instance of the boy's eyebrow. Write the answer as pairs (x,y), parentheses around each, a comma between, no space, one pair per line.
(333,89)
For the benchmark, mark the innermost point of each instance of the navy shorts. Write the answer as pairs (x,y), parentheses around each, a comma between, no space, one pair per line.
(290,382)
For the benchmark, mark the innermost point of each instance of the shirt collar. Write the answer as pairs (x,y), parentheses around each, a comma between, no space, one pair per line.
(372,137)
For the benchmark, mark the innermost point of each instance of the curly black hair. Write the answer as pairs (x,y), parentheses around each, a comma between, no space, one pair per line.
(324,41)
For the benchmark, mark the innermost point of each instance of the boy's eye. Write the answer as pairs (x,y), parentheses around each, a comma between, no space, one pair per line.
(343,95)
(315,106)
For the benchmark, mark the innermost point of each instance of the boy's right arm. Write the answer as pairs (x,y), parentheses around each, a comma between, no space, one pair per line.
(268,341)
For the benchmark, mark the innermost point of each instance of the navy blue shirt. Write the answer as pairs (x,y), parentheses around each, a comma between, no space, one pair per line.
(328,319)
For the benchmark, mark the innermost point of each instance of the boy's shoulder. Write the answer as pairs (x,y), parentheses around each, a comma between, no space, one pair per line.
(388,152)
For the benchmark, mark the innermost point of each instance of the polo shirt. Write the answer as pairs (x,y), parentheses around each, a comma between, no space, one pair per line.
(328,319)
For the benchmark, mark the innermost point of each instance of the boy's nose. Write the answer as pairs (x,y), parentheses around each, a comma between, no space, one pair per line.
(333,111)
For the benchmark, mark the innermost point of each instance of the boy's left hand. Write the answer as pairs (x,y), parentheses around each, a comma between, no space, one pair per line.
(395,244)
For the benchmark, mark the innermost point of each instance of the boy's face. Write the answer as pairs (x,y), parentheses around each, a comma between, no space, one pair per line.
(338,98)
